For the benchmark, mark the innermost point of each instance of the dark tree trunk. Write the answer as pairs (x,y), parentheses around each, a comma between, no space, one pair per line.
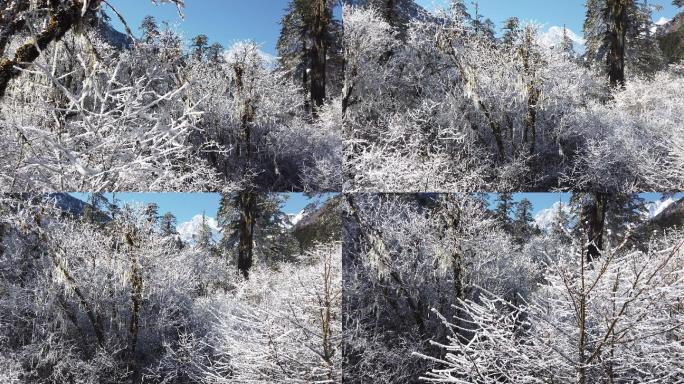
(247,202)
(244,145)
(596,216)
(61,20)
(318,52)
(618,22)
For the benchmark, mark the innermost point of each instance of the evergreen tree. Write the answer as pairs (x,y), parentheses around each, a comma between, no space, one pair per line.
(150,29)
(97,204)
(591,209)
(308,37)
(619,38)
(561,225)
(567,44)
(167,224)
(644,56)
(511,31)
(199,45)
(605,218)
(214,53)
(459,11)
(504,210)
(483,26)
(523,223)
(204,238)
(594,30)
(151,212)
(251,225)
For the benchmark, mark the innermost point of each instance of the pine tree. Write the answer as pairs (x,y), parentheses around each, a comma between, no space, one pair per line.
(151,212)
(483,26)
(309,35)
(561,225)
(150,29)
(167,224)
(204,238)
(644,56)
(504,210)
(251,224)
(619,39)
(523,227)
(199,45)
(567,44)
(97,204)
(591,209)
(511,32)
(459,11)
(594,30)
(214,53)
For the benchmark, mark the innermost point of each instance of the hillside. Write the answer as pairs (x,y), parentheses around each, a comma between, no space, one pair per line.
(321,225)
(672,216)
(671,39)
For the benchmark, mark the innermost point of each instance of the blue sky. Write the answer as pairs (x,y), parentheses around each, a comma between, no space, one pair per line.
(542,201)
(223,21)
(186,205)
(228,21)
(547,12)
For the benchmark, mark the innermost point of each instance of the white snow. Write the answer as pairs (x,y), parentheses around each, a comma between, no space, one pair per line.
(293,219)
(547,217)
(662,21)
(554,36)
(189,229)
(654,208)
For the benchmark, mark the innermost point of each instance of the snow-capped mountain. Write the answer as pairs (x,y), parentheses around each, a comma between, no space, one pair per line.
(654,208)
(659,24)
(188,230)
(292,219)
(554,36)
(547,217)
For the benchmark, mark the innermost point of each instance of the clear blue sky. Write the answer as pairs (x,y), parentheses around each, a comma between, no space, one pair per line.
(228,21)
(542,201)
(223,21)
(186,205)
(547,12)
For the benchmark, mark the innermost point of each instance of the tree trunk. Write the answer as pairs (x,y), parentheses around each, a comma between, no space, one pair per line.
(319,50)
(62,19)
(247,201)
(326,317)
(617,20)
(246,111)
(596,217)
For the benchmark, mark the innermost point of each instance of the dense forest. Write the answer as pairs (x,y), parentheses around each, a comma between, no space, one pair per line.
(450,288)
(390,98)
(441,101)
(416,133)
(104,292)
(86,107)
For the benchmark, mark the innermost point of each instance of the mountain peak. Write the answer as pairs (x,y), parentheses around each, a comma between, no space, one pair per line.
(189,230)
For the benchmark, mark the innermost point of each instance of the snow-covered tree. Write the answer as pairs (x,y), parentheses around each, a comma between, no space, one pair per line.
(615,319)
